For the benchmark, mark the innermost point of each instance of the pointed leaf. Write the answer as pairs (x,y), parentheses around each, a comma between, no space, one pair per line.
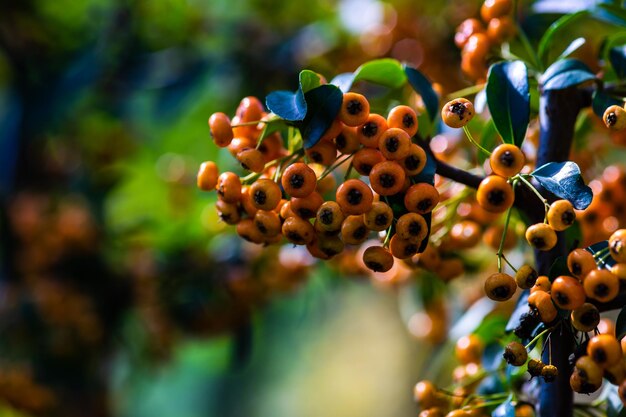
(290,106)
(617,56)
(387,72)
(566,73)
(600,101)
(556,28)
(424,87)
(564,180)
(309,80)
(508,99)
(324,103)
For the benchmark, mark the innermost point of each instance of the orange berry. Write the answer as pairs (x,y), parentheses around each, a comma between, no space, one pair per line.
(354,197)
(221,130)
(378,259)
(365,159)
(421,198)
(601,285)
(265,194)
(495,194)
(299,180)
(387,178)
(403,117)
(354,109)
(229,187)
(507,160)
(457,113)
(567,293)
(207,176)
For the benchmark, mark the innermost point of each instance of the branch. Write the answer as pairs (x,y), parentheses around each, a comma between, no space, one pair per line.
(445,170)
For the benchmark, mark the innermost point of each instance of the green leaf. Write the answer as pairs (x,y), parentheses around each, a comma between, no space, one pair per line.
(566,73)
(617,56)
(600,101)
(564,180)
(508,99)
(556,28)
(620,324)
(309,80)
(387,72)
(491,328)
(324,103)
(558,268)
(571,48)
(290,106)
(423,87)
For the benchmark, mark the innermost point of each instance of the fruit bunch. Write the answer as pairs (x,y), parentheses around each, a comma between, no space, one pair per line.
(476,37)
(294,194)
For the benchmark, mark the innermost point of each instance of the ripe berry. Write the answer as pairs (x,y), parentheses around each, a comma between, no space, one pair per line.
(378,259)
(466,29)
(431,412)
(580,262)
(387,178)
(526,277)
(542,284)
(229,187)
(251,159)
(561,215)
(354,109)
(354,197)
(500,29)
(412,227)
(403,117)
(323,153)
(299,180)
(617,245)
(402,248)
(542,301)
(495,194)
(495,8)
(515,354)
(221,130)
(329,216)
(379,217)
(365,159)
(500,286)
(248,231)
(425,394)
(524,410)
(415,161)
(228,212)
(329,245)
(549,373)
(601,285)
(298,231)
(469,349)
(347,141)
(534,367)
(541,236)
(585,318)
(507,160)
(605,350)
(615,117)
(370,132)
(619,270)
(421,198)
(207,176)
(465,234)
(307,207)
(353,230)
(394,143)
(589,371)
(265,194)
(457,113)
(567,293)
(267,222)
(333,131)
(246,202)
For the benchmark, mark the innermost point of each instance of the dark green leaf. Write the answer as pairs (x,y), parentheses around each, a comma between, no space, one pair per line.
(561,66)
(617,56)
(556,28)
(506,409)
(387,72)
(568,79)
(309,80)
(558,268)
(563,179)
(508,99)
(324,103)
(620,324)
(271,127)
(491,328)
(521,307)
(600,101)
(566,73)
(423,87)
(571,48)
(610,13)
(603,261)
(290,106)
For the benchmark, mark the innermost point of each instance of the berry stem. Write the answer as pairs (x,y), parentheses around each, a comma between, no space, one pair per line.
(387,236)
(334,166)
(601,260)
(537,193)
(280,161)
(471,139)
(503,238)
(538,337)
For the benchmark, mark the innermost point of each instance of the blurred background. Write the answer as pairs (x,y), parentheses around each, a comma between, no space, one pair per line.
(121,294)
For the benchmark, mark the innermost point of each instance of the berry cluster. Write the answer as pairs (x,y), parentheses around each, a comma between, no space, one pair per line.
(294,195)
(476,40)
